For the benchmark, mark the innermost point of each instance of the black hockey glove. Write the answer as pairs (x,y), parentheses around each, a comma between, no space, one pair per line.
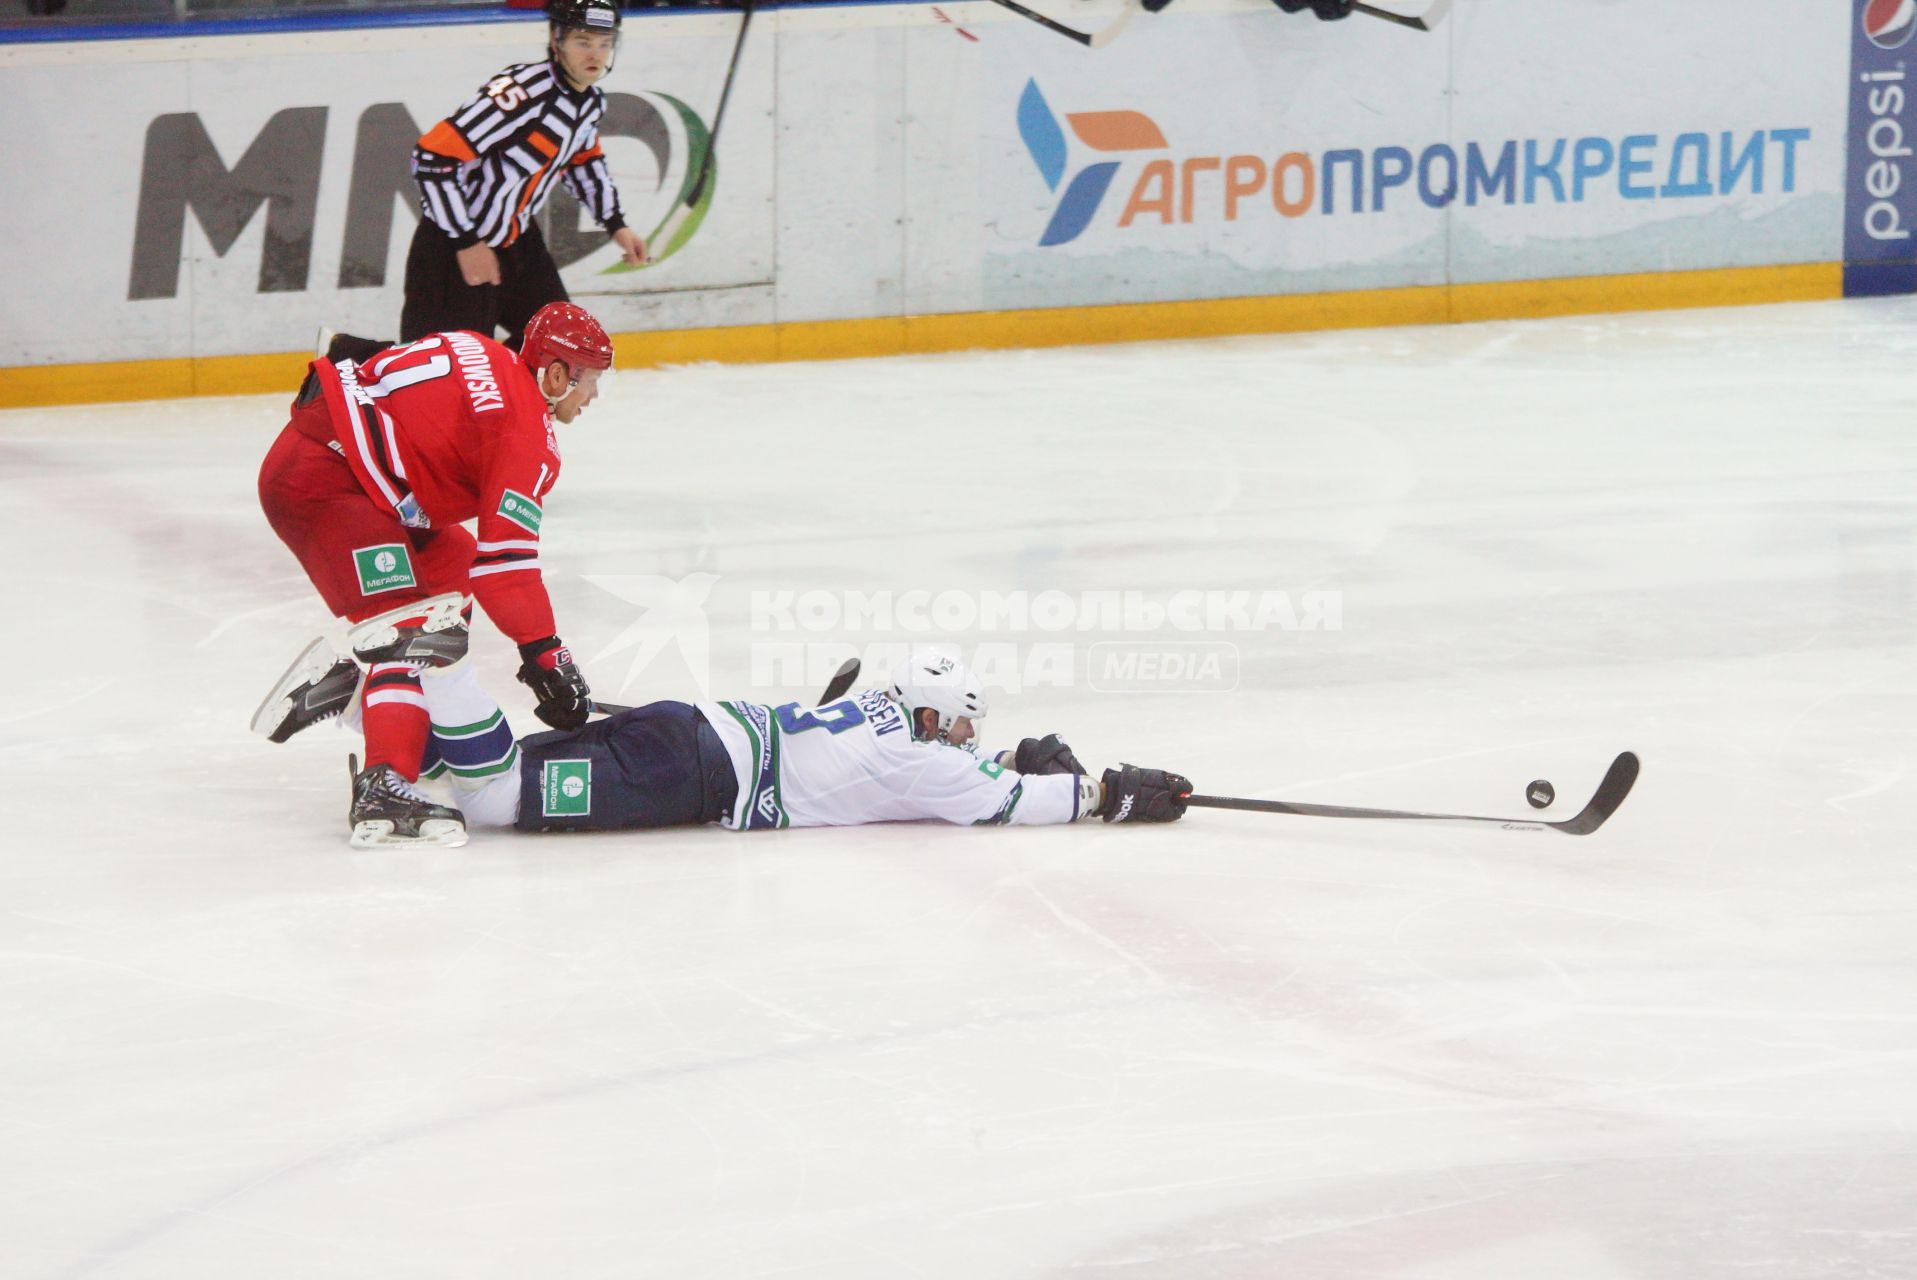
(1049,754)
(1329,10)
(1133,794)
(547,669)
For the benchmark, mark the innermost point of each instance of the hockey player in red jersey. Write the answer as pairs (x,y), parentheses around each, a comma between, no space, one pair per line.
(368,486)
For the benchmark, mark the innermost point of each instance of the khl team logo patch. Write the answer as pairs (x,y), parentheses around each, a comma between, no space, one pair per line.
(565,788)
(383,568)
(1889,23)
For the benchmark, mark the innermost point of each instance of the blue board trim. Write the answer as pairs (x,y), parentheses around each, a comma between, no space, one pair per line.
(56,31)
(263,24)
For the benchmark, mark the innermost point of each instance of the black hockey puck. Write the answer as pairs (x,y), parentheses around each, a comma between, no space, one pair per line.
(1540,794)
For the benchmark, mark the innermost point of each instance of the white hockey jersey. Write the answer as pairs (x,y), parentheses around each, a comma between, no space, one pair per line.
(855,761)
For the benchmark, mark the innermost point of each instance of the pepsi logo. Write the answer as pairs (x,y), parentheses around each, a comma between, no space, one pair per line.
(1889,23)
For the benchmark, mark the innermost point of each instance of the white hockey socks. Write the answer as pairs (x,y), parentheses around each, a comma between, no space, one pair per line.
(471,743)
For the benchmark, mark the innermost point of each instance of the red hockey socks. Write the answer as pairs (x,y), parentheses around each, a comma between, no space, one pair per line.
(395,718)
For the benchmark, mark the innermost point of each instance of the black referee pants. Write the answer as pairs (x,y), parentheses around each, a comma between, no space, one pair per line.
(438,299)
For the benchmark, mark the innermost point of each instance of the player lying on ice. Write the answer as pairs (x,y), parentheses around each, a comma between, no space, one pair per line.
(903,753)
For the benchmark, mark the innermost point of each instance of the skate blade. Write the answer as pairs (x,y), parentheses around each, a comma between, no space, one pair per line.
(308,669)
(434,833)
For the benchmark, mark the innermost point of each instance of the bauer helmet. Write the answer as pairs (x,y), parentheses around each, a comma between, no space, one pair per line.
(566,332)
(599,17)
(586,15)
(947,686)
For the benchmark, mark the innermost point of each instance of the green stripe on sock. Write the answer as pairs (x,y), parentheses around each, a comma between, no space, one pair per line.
(468,730)
(510,759)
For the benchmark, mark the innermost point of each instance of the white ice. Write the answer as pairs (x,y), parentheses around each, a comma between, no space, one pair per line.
(1240,1046)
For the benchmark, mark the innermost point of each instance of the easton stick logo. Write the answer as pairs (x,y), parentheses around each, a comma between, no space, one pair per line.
(1889,23)
(1108,131)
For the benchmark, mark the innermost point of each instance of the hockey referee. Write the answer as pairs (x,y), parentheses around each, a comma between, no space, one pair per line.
(477,259)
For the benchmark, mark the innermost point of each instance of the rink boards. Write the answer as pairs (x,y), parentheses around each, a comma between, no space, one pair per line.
(906,177)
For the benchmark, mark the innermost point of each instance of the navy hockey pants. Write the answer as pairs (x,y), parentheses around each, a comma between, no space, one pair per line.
(659,765)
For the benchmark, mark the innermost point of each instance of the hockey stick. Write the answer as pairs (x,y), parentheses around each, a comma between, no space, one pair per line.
(1090,39)
(669,229)
(1426,21)
(841,681)
(834,690)
(1617,783)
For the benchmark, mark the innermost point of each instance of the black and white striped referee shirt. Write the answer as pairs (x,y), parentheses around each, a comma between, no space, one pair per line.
(485,171)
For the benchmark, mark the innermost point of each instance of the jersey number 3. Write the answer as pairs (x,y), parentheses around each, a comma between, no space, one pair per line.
(834,718)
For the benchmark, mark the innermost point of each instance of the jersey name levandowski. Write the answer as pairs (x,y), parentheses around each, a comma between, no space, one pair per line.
(453,428)
(855,761)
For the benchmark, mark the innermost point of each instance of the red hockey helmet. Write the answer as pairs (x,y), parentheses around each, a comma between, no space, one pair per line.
(566,332)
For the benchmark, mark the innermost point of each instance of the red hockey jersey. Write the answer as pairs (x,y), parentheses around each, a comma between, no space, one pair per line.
(453,428)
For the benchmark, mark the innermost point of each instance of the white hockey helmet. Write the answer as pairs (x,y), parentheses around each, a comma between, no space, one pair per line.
(944,684)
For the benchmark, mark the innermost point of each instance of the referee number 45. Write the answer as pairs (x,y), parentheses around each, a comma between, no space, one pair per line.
(507,93)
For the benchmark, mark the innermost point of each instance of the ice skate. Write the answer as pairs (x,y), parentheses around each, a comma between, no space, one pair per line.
(390,812)
(318,686)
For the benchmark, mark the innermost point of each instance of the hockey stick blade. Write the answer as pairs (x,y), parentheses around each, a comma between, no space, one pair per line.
(669,229)
(1617,783)
(1108,33)
(841,681)
(1426,21)
(1090,39)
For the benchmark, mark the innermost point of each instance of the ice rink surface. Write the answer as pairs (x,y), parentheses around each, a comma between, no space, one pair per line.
(1239,1046)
